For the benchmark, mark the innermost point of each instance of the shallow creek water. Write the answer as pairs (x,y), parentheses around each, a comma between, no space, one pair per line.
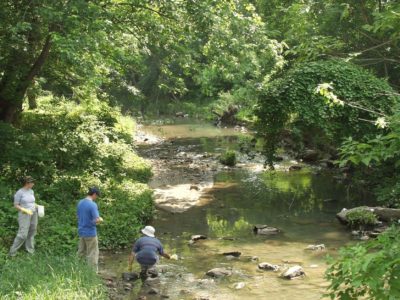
(302,204)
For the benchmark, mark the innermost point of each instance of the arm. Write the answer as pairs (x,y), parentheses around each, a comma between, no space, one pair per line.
(130,261)
(162,253)
(96,216)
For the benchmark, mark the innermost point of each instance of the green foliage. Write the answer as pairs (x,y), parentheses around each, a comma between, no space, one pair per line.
(228,158)
(361,217)
(47,277)
(377,161)
(369,270)
(290,102)
(85,145)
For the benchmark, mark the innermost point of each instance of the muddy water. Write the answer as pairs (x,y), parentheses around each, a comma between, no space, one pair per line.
(302,204)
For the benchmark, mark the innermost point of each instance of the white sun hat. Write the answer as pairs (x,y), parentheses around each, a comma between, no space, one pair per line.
(149,231)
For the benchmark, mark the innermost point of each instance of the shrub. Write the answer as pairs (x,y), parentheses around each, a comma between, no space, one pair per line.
(68,148)
(361,217)
(369,270)
(228,158)
(290,102)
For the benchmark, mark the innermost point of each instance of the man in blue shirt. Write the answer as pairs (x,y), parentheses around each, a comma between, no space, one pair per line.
(145,250)
(88,218)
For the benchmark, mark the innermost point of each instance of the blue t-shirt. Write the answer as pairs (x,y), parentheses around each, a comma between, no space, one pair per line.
(87,215)
(146,249)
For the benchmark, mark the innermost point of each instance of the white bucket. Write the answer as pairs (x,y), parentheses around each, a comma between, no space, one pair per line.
(41,211)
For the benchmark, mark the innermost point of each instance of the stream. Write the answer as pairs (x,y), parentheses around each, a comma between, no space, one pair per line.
(195,194)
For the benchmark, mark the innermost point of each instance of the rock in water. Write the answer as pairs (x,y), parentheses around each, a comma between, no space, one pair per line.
(219,272)
(153,291)
(316,247)
(295,168)
(293,272)
(197,237)
(130,276)
(194,187)
(265,230)
(268,267)
(310,155)
(232,253)
(239,285)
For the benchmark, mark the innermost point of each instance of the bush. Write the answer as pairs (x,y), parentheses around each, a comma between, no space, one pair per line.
(361,217)
(290,102)
(228,158)
(370,270)
(68,148)
(47,277)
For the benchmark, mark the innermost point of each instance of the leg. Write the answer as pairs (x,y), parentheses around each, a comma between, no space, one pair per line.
(30,240)
(143,271)
(82,248)
(24,223)
(92,245)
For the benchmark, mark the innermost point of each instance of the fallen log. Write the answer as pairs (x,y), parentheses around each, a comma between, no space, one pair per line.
(382,213)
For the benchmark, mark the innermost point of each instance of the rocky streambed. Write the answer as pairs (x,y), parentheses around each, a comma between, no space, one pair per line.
(262,228)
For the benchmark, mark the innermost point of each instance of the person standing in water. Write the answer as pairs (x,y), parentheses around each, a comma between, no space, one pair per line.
(24,202)
(88,218)
(145,251)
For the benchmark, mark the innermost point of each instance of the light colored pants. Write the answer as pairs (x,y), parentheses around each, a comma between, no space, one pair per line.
(89,250)
(26,233)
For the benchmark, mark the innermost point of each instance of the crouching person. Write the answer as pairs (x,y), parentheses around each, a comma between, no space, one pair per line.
(146,250)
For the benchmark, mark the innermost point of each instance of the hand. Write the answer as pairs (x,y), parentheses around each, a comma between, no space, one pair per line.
(26,211)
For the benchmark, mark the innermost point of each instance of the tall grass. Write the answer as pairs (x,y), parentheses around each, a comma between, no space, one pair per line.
(47,277)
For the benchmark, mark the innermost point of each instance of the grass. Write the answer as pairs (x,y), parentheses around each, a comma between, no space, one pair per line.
(47,277)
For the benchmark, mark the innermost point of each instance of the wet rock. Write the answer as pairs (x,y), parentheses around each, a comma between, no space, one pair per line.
(232,253)
(230,257)
(180,114)
(130,276)
(315,247)
(197,237)
(110,283)
(153,291)
(219,272)
(127,286)
(293,272)
(228,238)
(239,285)
(194,187)
(265,230)
(268,267)
(254,258)
(327,164)
(295,168)
(310,155)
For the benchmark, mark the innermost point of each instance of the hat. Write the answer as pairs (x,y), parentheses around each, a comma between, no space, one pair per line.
(149,231)
(94,190)
(28,179)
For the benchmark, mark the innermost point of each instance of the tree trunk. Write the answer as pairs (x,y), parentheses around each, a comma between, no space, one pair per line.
(11,98)
(32,101)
